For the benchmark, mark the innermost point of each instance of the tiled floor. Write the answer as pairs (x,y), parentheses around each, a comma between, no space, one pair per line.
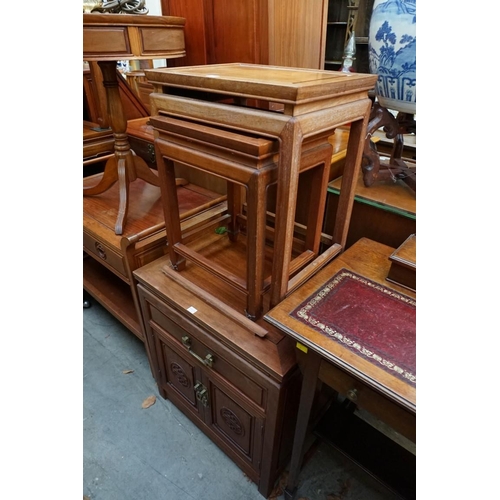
(157,453)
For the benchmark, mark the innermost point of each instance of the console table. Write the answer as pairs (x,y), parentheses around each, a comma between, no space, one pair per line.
(373,369)
(111,259)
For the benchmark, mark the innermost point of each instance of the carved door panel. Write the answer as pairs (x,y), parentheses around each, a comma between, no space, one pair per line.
(235,421)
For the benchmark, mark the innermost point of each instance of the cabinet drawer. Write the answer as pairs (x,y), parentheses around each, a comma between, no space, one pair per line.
(204,350)
(105,254)
(144,149)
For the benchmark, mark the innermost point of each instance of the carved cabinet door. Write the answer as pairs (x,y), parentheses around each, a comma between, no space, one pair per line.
(234,419)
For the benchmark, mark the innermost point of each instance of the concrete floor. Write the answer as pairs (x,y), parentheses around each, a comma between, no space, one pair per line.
(131,453)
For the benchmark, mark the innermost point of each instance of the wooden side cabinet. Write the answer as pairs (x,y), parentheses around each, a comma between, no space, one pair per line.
(240,389)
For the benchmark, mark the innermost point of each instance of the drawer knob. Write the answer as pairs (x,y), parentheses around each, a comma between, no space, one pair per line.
(352,394)
(151,153)
(100,251)
(207,361)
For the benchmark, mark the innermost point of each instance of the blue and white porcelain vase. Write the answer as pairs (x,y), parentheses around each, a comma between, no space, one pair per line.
(392,45)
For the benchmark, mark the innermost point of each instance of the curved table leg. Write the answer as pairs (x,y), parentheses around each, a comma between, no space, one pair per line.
(110,176)
(143,172)
(394,128)
(123,182)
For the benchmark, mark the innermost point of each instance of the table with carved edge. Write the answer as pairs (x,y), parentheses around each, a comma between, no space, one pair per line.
(314,102)
(378,391)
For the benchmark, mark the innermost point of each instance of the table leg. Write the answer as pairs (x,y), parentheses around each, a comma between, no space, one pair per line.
(394,127)
(352,167)
(308,391)
(286,198)
(168,187)
(234,207)
(109,177)
(256,241)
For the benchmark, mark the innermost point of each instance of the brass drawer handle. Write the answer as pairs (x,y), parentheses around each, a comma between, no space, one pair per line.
(100,250)
(201,393)
(352,394)
(207,361)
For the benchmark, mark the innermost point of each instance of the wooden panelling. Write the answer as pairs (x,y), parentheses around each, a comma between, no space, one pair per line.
(278,32)
(296,32)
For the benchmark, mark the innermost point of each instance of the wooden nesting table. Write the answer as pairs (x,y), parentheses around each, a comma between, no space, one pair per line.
(314,103)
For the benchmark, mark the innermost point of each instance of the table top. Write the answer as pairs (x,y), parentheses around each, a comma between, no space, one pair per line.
(101,19)
(115,37)
(276,83)
(145,208)
(369,355)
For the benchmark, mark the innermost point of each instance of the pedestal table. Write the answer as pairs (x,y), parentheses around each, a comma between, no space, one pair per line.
(107,39)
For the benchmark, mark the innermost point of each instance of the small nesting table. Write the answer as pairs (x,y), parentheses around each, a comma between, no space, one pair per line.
(244,161)
(314,103)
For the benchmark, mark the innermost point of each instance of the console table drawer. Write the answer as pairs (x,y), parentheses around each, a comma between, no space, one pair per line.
(368,399)
(145,150)
(104,254)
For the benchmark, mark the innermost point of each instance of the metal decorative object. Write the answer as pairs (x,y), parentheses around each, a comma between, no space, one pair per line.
(349,51)
(115,6)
